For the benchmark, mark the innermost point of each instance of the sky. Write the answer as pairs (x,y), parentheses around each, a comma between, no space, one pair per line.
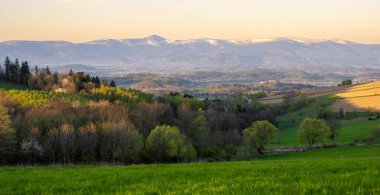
(86,20)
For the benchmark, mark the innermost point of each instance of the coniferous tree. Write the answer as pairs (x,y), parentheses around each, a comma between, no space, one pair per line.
(87,78)
(71,73)
(48,72)
(97,82)
(56,77)
(14,71)
(24,72)
(36,71)
(1,73)
(112,84)
(7,66)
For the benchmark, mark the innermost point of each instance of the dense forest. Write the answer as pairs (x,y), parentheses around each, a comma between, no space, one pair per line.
(77,118)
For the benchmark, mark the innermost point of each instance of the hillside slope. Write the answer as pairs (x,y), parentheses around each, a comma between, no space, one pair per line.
(361,97)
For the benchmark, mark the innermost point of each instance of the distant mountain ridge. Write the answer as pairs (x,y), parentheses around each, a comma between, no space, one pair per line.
(158,54)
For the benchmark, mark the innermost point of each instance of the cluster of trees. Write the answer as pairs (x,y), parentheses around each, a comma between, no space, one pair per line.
(78,118)
(12,71)
(59,131)
(296,99)
(44,79)
(346,82)
(73,118)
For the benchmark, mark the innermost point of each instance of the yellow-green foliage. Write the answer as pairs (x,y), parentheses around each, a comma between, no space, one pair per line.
(35,98)
(259,134)
(112,94)
(176,101)
(313,131)
(166,142)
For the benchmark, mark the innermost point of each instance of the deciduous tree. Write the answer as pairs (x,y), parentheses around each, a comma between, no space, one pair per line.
(259,134)
(166,143)
(313,131)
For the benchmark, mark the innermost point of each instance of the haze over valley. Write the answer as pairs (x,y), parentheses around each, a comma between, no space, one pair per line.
(292,60)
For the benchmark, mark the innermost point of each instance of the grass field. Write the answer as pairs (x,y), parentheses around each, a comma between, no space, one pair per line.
(8,86)
(340,152)
(349,132)
(333,171)
(313,93)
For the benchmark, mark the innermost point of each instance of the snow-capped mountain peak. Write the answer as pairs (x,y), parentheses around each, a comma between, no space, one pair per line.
(155,40)
(155,52)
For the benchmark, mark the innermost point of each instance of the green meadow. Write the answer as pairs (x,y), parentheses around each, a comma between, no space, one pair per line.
(350,131)
(345,170)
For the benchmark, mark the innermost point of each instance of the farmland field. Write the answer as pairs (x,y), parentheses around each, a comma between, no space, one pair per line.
(359,98)
(311,93)
(352,170)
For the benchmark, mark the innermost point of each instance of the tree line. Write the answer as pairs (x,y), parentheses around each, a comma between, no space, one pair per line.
(44,79)
(12,71)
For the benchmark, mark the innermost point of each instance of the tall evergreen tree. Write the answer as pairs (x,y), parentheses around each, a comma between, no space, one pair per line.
(56,77)
(87,78)
(48,70)
(96,80)
(14,71)
(1,73)
(112,84)
(36,71)
(7,66)
(71,73)
(24,73)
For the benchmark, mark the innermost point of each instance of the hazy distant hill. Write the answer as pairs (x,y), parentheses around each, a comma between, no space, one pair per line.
(157,54)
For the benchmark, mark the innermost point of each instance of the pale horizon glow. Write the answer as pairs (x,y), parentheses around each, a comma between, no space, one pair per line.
(87,20)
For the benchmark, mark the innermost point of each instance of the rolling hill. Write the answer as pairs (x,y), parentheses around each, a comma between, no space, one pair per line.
(360,97)
(158,54)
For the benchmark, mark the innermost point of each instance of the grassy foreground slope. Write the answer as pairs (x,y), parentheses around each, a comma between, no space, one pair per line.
(317,172)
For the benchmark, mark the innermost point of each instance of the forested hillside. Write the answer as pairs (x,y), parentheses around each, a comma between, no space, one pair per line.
(77,118)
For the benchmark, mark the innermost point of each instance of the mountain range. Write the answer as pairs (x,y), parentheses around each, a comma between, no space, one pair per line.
(160,55)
